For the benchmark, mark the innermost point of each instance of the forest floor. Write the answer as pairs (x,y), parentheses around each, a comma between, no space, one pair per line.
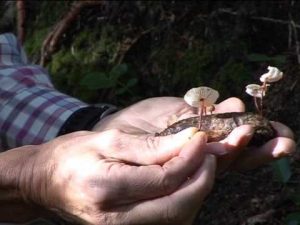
(252,198)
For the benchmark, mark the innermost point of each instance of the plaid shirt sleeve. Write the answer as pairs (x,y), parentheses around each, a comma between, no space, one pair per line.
(31,110)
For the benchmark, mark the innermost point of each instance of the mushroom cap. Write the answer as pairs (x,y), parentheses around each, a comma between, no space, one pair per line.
(255,90)
(206,94)
(273,75)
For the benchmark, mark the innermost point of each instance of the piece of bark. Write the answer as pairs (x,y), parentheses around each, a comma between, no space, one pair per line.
(50,43)
(218,126)
(21,17)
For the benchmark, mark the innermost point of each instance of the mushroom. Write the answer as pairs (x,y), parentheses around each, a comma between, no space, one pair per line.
(259,91)
(255,90)
(201,98)
(273,75)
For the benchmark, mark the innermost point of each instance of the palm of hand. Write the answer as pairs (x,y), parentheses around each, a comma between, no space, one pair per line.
(155,114)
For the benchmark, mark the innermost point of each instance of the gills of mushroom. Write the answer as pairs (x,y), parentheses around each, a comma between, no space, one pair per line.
(201,97)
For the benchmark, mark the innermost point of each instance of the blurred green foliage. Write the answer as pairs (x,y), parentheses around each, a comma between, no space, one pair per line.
(169,48)
(292,219)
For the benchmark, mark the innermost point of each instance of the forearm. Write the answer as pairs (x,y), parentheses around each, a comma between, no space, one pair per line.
(14,177)
(14,164)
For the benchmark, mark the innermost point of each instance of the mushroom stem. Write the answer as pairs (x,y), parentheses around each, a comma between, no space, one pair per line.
(202,110)
(200,118)
(264,89)
(255,103)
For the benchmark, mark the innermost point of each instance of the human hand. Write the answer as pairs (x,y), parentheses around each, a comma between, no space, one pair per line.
(96,178)
(152,115)
(282,145)
(242,157)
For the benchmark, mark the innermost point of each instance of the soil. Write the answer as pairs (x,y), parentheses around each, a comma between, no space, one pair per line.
(250,198)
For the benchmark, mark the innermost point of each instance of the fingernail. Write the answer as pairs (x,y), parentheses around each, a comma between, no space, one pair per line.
(282,150)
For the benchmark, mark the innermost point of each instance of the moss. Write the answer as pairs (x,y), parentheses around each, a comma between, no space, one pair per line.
(89,52)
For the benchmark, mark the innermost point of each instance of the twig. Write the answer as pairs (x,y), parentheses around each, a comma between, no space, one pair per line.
(290,38)
(21,14)
(261,18)
(51,41)
(292,27)
(292,87)
(260,218)
(126,45)
(296,40)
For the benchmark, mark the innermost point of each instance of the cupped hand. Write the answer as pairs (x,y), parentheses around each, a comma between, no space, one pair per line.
(239,156)
(148,116)
(85,176)
(155,114)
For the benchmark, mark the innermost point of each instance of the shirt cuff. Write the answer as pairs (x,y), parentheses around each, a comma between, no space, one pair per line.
(86,118)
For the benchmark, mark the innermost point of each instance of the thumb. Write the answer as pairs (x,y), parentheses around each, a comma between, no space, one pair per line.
(142,149)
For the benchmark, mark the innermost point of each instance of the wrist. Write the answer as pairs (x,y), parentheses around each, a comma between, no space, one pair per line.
(16,185)
(23,172)
(15,165)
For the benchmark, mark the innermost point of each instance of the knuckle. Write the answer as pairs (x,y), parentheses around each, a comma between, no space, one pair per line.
(112,139)
(113,133)
(169,183)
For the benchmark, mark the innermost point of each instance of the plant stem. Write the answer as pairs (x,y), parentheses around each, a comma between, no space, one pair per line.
(257,106)
(263,91)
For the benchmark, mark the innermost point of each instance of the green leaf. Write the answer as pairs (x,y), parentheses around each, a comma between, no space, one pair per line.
(279,59)
(95,81)
(128,85)
(258,57)
(118,71)
(282,170)
(131,82)
(292,219)
(296,198)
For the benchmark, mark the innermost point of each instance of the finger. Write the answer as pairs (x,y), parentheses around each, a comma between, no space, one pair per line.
(230,105)
(183,204)
(141,149)
(274,149)
(235,141)
(231,147)
(282,130)
(156,180)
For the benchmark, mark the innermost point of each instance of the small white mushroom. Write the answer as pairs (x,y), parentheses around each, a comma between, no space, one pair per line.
(201,97)
(195,96)
(255,90)
(273,75)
